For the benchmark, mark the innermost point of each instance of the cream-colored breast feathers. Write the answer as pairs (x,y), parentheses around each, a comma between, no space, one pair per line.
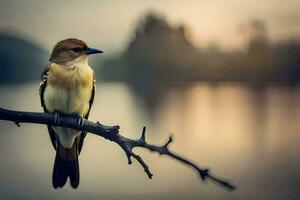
(69,88)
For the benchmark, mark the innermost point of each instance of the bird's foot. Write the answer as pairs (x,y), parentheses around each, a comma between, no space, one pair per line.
(56,118)
(80,122)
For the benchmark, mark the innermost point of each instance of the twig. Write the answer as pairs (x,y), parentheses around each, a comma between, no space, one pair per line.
(111,133)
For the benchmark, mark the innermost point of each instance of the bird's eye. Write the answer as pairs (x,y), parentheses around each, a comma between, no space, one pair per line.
(77,49)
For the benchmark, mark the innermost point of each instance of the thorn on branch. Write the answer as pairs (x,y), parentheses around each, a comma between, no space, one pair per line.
(128,152)
(17,123)
(143,136)
(129,159)
(203,173)
(169,141)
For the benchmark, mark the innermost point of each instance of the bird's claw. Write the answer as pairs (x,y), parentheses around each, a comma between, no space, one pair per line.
(80,122)
(56,118)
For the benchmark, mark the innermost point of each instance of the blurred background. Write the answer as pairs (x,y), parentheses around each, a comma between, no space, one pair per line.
(222,77)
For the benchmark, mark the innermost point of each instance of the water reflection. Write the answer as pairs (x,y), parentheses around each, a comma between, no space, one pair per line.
(247,134)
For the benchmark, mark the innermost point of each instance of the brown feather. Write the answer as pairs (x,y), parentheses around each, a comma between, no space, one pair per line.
(64,45)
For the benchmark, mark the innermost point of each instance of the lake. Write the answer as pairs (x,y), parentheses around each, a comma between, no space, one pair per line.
(247,135)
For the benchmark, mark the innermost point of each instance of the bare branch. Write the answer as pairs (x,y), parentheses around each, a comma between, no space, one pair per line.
(111,133)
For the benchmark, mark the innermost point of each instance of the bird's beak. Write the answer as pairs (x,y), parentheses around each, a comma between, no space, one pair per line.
(93,51)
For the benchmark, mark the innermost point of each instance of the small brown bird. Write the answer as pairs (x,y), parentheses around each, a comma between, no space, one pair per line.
(68,87)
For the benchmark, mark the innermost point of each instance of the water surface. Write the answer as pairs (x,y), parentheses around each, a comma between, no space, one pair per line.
(247,135)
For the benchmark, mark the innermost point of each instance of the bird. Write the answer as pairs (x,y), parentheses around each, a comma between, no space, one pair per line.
(68,87)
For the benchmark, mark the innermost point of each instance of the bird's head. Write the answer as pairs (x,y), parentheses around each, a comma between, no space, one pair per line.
(70,49)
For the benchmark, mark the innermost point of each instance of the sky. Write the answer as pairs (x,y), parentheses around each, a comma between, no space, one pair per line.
(109,24)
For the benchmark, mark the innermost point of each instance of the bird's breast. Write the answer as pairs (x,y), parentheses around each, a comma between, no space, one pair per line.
(69,90)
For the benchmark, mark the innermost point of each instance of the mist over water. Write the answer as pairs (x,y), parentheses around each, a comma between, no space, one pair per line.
(246,134)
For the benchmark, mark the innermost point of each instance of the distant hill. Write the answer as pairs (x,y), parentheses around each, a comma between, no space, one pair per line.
(20,60)
(162,53)
(155,50)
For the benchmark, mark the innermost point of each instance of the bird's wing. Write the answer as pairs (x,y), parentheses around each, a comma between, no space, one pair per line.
(43,85)
(83,134)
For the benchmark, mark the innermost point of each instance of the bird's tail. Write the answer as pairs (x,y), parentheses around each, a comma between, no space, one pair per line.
(66,165)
